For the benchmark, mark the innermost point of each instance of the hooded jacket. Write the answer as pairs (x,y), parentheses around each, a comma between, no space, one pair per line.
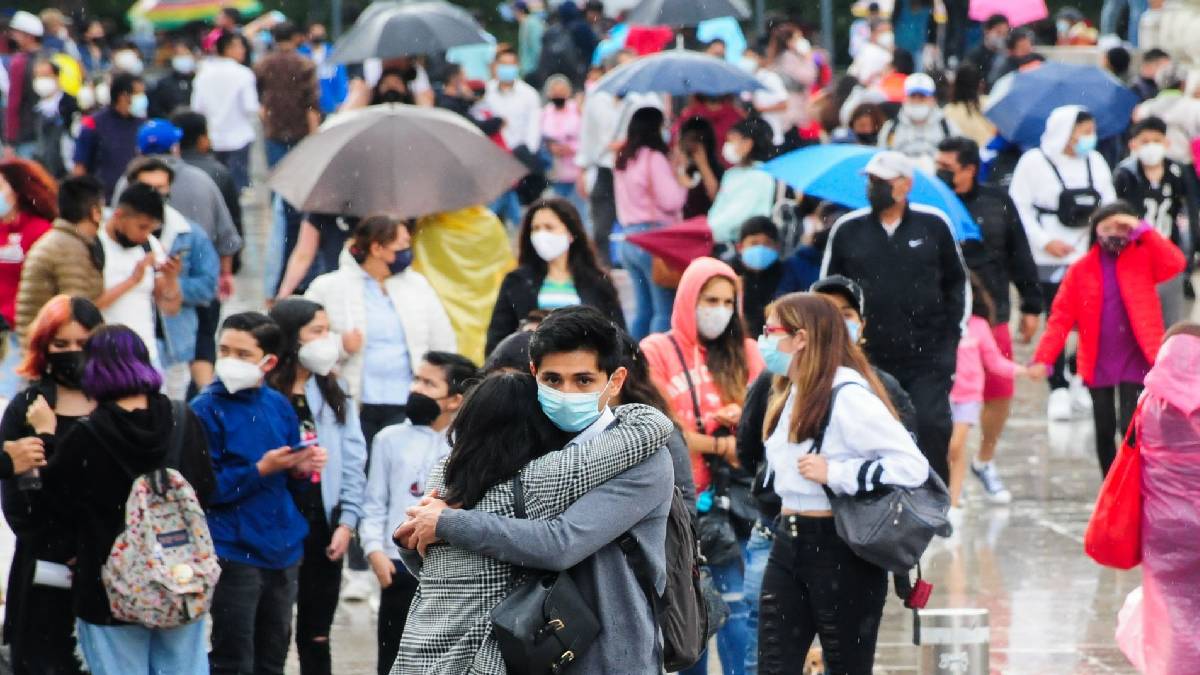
(1034,186)
(918,141)
(667,371)
(86,471)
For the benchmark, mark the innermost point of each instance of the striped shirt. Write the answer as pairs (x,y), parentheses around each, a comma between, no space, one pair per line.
(557,294)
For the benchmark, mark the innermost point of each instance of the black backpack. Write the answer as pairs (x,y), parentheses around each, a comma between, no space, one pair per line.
(1075,205)
(560,55)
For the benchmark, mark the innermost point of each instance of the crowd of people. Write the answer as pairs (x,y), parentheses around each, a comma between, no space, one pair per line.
(809,351)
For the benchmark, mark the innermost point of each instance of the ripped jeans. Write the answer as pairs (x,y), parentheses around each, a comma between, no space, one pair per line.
(815,585)
(320,583)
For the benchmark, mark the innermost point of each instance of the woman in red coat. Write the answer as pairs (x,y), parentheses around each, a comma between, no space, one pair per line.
(1110,296)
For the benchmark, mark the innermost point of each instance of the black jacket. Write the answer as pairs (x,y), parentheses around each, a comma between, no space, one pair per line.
(1004,256)
(751,448)
(96,487)
(171,91)
(1163,205)
(914,282)
(519,296)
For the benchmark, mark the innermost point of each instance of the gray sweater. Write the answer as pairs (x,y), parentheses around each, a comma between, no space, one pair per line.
(582,540)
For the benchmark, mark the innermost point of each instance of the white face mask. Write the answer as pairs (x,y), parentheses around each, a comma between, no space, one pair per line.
(802,46)
(237,374)
(103,94)
(139,105)
(128,61)
(550,245)
(45,86)
(886,40)
(918,112)
(712,321)
(730,153)
(184,64)
(319,356)
(1152,154)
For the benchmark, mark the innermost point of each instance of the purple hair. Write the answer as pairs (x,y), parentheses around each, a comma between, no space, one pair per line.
(118,365)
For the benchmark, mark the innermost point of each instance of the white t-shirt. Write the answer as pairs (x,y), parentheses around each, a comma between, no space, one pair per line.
(136,308)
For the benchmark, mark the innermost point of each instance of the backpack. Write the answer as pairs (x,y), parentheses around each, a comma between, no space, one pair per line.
(690,610)
(1075,205)
(162,568)
(560,56)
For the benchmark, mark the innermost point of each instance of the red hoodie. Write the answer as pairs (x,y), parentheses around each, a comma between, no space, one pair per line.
(16,238)
(668,373)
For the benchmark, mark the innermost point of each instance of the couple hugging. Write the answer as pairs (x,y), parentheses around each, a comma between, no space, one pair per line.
(590,473)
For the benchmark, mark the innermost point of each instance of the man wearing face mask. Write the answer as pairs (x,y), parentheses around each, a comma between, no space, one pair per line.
(1055,188)
(174,89)
(756,261)
(992,49)
(108,138)
(920,126)
(518,105)
(20,117)
(1157,188)
(404,455)
(908,263)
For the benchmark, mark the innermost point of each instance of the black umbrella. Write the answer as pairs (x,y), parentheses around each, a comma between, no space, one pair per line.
(388,30)
(681,13)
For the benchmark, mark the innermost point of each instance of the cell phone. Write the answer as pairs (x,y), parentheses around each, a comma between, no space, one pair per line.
(305,444)
(179,255)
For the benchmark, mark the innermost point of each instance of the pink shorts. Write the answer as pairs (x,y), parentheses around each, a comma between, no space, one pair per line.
(998,386)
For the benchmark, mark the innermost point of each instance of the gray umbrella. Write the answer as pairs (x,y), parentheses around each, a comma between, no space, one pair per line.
(401,160)
(390,29)
(680,13)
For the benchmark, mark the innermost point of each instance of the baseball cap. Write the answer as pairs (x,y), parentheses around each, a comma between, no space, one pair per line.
(889,165)
(26,23)
(840,285)
(919,83)
(158,136)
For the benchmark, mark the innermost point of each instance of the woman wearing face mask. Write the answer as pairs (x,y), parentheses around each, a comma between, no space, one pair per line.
(557,268)
(95,55)
(38,622)
(386,315)
(650,189)
(562,123)
(703,366)
(697,144)
(815,583)
(327,418)
(56,113)
(863,126)
(965,109)
(746,190)
(392,88)
(1110,297)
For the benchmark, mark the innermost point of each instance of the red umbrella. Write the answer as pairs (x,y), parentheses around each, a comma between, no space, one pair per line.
(679,244)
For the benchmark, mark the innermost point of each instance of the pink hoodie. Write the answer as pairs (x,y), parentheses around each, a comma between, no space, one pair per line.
(978,355)
(647,191)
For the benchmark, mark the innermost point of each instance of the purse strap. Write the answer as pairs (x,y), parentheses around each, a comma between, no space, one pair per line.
(819,436)
(687,373)
(518,489)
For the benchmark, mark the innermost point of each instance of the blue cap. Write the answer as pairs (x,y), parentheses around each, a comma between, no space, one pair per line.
(158,136)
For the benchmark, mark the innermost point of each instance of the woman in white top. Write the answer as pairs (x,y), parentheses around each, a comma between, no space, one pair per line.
(814,584)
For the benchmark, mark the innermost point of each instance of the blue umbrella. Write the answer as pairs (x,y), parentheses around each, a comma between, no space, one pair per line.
(1020,115)
(679,73)
(834,173)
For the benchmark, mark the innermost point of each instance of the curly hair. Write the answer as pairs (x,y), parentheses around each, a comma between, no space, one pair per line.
(36,190)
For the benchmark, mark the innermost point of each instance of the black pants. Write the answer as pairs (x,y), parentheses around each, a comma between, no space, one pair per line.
(252,619)
(815,585)
(394,603)
(320,583)
(373,417)
(45,643)
(1058,376)
(1112,410)
(928,383)
(603,203)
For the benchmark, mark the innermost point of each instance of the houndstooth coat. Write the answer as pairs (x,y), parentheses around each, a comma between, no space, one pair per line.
(449,627)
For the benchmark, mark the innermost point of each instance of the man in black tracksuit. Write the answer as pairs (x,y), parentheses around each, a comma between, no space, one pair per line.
(906,259)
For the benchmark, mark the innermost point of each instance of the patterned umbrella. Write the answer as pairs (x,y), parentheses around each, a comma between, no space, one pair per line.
(167,14)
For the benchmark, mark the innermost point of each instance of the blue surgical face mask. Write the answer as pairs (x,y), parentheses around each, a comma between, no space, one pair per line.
(853,327)
(139,105)
(777,362)
(6,206)
(508,72)
(570,412)
(759,257)
(1085,145)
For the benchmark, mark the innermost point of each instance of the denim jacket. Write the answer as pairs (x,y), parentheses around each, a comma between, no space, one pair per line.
(197,281)
(344,479)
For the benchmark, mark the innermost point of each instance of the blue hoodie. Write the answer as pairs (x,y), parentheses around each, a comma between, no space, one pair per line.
(253,518)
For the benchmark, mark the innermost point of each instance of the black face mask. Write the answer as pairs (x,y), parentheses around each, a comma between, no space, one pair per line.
(124,241)
(868,139)
(879,194)
(559,103)
(66,368)
(393,96)
(421,409)
(947,177)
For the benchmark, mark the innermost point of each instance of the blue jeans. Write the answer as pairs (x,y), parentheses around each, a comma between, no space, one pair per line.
(732,638)
(276,150)
(758,551)
(238,163)
(567,191)
(134,650)
(507,208)
(10,381)
(1110,14)
(653,301)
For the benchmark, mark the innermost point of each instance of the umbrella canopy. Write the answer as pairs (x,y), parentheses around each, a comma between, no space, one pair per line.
(835,173)
(401,160)
(679,244)
(1018,12)
(678,73)
(1020,114)
(388,30)
(168,14)
(681,13)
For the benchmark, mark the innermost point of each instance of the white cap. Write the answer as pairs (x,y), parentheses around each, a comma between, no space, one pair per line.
(26,23)
(889,165)
(919,83)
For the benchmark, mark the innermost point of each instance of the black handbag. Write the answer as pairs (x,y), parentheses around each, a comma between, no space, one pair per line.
(544,624)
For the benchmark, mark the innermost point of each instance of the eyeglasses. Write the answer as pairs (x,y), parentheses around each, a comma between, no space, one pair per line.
(768,331)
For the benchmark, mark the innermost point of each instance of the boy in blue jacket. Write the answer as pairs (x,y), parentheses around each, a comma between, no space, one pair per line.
(253,436)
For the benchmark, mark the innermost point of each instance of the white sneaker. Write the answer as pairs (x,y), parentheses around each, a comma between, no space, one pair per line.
(1081,398)
(357,585)
(956,516)
(1058,407)
(992,485)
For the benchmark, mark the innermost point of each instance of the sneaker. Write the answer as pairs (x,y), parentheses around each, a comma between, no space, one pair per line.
(1081,398)
(357,586)
(1058,407)
(987,474)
